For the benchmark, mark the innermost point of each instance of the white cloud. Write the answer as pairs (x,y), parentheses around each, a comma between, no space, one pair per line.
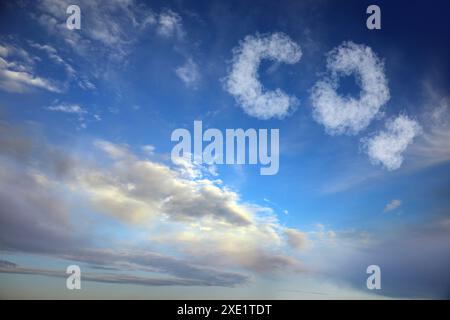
(394,204)
(188,73)
(115,151)
(169,24)
(16,71)
(148,149)
(67,108)
(86,84)
(386,147)
(347,115)
(20,81)
(322,233)
(73,109)
(243,82)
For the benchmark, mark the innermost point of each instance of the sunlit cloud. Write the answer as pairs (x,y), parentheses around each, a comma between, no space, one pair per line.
(199,217)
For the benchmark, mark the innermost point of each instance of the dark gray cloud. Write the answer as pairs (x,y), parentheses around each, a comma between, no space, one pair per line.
(4,264)
(26,146)
(32,216)
(156,262)
(12,268)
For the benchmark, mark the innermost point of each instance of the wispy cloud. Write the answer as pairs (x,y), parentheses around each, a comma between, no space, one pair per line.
(433,146)
(210,278)
(111,27)
(76,110)
(72,75)
(394,204)
(17,74)
(53,54)
(189,73)
(67,108)
(169,24)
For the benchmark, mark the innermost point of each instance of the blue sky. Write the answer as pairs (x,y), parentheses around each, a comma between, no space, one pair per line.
(86,178)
